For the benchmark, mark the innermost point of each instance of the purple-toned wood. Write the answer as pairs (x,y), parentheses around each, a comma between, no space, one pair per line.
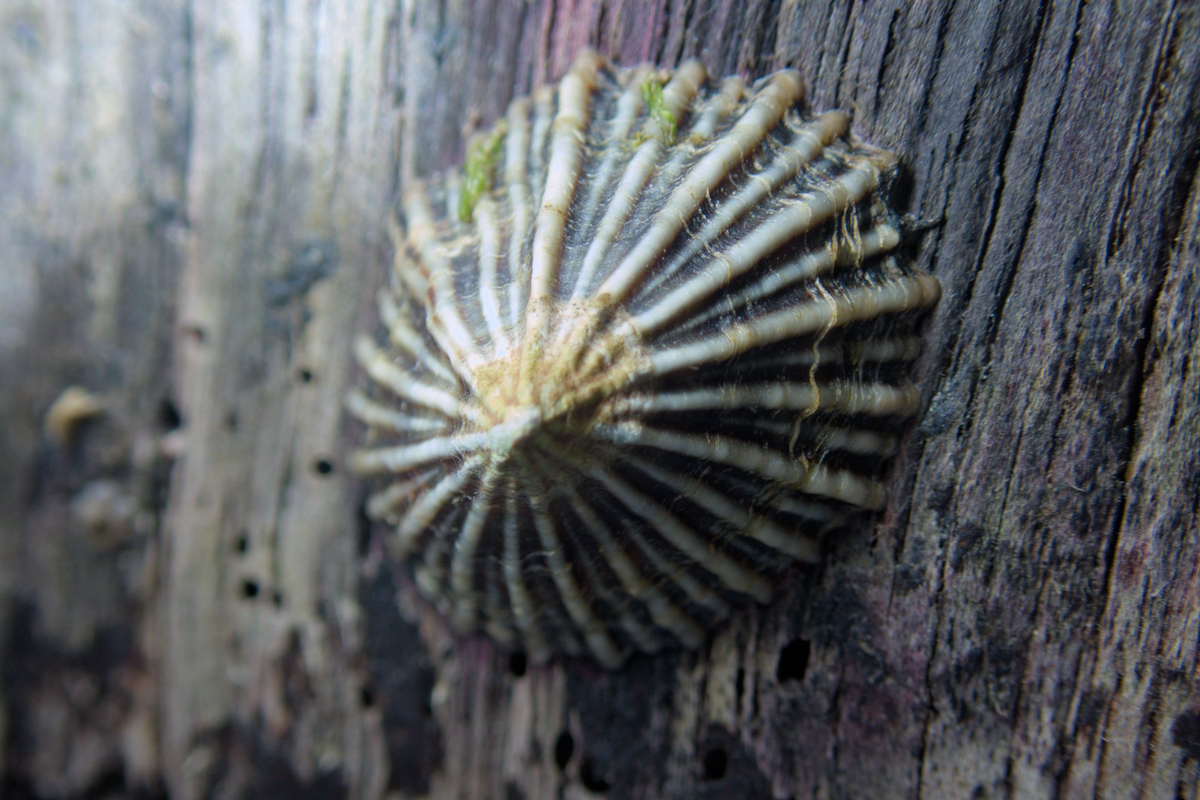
(194,198)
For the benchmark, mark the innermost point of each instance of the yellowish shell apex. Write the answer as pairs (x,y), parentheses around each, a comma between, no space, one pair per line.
(640,356)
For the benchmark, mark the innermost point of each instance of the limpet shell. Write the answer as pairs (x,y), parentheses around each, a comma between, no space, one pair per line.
(641,355)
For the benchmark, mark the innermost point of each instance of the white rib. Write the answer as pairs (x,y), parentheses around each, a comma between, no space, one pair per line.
(634,581)
(444,317)
(846,486)
(595,633)
(730,573)
(878,240)
(641,635)
(695,591)
(884,350)
(385,503)
(629,105)
(489,291)
(681,89)
(516,143)
(562,175)
(799,215)
(766,531)
(715,109)
(862,302)
(854,352)
(373,461)
(805,145)
(811,510)
(638,585)
(376,415)
(875,399)
(707,116)
(626,196)
(497,618)
(410,275)
(497,615)
(797,473)
(781,92)
(466,544)
(405,337)
(677,96)
(524,613)
(825,437)
(400,383)
(543,117)
(426,507)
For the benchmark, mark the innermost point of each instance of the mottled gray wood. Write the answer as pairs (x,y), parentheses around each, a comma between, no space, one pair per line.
(192,205)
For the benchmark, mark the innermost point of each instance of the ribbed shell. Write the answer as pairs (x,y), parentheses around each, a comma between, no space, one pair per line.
(650,370)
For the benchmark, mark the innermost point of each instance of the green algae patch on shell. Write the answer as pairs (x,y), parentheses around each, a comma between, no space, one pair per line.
(627,378)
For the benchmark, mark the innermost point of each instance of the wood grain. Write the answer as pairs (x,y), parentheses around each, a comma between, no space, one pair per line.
(192,206)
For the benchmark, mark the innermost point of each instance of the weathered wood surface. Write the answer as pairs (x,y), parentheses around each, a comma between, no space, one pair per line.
(192,198)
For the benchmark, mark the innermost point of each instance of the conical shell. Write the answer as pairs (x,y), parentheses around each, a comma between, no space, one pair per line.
(641,354)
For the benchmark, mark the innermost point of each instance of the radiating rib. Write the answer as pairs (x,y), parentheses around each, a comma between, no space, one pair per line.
(525,616)
(489,292)
(731,574)
(810,510)
(427,506)
(386,503)
(497,617)
(878,240)
(666,175)
(665,613)
(764,113)
(643,637)
(445,317)
(824,437)
(542,118)
(876,399)
(379,460)
(633,578)
(804,146)
(800,214)
(628,192)
(516,144)
(743,520)
(466,544)
(693,589)
(595,633)
(412,279)
(707,116)
(677,97)
(798,473)
(405,337)
(628,106)
(850,353)
(376,364)
(377,415)
(715,109)
(863,302)
(906,348)
(562,174)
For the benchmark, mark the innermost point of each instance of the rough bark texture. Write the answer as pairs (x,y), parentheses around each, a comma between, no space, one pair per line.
(192,207)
